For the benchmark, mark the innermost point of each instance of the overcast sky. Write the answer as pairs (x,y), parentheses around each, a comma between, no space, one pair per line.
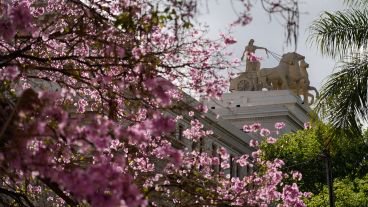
(270,34)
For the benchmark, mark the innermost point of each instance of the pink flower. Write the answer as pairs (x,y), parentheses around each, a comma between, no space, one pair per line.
(247,128)
(137,53)
(7,29)
(202,108)
(243,160)
(307,125)
(255,127)
(271,140)
(205,160)
(253,143)
(176,157)
(179,117)
(121,52)
(109,49)
(278,163)
(225,165)
(215,161)
(296,175)
(9,73)
(223,153)
(265,132)
(307,194)
(115,144)
(160,87)
(82,105)
(158,124)
(229,41)
(41,127)
(195,132)
(291,196)
(168,151)
(21,17)
(35,189)
(279,125)
(256,154)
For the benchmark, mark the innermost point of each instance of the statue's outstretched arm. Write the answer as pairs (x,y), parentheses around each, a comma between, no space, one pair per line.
(261,48)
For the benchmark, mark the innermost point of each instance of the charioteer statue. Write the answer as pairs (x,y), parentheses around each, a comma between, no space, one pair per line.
(252,65)
(289,74)
(248,80)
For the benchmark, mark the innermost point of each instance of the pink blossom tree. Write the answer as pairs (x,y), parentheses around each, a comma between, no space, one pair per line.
(84,87)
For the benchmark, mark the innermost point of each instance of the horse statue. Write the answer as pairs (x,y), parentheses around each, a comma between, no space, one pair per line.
(305,84)
(284,75)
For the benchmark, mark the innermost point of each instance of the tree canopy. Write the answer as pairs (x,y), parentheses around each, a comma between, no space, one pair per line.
(343,34)
(86,87)
(303,151)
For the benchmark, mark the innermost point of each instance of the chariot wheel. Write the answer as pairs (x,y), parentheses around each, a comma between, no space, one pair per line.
(245,85)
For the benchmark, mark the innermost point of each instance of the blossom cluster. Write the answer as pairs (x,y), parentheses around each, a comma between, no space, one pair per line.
(15,18)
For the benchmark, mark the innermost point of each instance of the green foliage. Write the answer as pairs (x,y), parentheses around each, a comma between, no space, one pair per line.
(344,34)
(356,2)
(300,151)
(341,33)
(344,97)
(348,193)
(303,151)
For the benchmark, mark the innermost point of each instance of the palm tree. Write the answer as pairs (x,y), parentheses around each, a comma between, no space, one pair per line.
(344,35)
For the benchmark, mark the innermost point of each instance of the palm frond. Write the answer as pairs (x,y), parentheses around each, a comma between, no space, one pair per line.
(343,99)
(356,2)
(341,33)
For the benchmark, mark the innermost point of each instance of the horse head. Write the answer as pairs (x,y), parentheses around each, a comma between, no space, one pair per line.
(304,64)
(294,72)
(291,58)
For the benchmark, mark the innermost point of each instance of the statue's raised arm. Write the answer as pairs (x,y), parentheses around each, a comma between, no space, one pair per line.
(252,64)
(251,48)
(260,48)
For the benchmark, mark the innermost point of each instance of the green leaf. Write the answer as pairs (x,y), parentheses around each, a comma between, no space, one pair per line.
(344,99)
(125,21)
(341,34)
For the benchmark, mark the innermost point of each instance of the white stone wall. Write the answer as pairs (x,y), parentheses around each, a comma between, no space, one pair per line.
(265,107)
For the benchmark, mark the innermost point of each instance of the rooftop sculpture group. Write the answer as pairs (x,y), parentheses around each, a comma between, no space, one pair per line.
(290,74)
